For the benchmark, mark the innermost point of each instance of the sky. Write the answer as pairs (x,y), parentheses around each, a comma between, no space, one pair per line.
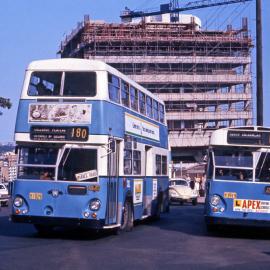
(33,29)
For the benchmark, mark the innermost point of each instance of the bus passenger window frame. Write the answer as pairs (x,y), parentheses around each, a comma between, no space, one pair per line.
(133,98)
(128,161)
(114,88)
(155,110)
(142,103)
(161,113)
(164,167)
(158,165)
(136,162)
(149,107)
(125,89)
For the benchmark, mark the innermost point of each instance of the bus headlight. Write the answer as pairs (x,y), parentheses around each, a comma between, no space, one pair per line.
(18,202)
(215,200)
(217,204)
(94,204)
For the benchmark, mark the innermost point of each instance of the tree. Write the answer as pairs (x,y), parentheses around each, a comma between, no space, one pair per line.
(5,103)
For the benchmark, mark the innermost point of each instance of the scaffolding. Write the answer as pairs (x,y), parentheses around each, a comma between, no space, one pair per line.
(204,77)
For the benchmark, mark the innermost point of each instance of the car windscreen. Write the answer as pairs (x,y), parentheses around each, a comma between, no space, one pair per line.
(178,183)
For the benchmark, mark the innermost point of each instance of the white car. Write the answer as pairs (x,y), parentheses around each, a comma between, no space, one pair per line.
(4,197)
(180,191)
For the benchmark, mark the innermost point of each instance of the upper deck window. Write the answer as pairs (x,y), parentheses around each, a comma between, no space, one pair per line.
(114,88)
(149,107)
(142,102)
(45,84)
(49,83)
(155,110)
(80,84)
(125,93)
(134,98)
(161,113)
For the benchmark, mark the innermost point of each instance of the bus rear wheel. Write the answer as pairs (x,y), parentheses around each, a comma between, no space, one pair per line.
(127,217)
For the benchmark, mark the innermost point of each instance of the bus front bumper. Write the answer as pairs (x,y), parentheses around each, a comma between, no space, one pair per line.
(236,222)
(59,221)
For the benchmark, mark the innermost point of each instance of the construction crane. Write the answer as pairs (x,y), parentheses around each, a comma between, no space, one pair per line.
(174,9)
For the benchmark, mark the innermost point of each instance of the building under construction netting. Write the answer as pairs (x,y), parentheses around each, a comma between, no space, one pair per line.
(203,76)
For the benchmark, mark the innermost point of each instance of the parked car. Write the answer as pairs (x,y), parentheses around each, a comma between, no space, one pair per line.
(180,191)
(4,197)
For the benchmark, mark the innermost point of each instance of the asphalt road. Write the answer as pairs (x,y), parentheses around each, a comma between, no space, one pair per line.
(178,241)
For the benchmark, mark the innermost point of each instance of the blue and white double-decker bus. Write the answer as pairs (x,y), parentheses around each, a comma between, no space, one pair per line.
(92,148)
(238,177)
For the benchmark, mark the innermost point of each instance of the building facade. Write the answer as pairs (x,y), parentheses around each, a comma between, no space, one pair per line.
(8,167)
(203,76)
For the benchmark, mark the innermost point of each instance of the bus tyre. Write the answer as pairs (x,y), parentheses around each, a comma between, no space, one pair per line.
(211,228)
(44,230)
(127,217)
(157,213)
(194,201)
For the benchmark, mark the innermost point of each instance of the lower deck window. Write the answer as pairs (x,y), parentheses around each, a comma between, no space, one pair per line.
(136,162)
(127,162)
(132,162)
(161,165)
(233,174)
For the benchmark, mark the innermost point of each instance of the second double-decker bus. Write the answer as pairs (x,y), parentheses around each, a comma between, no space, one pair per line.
(92,148)
(238,177)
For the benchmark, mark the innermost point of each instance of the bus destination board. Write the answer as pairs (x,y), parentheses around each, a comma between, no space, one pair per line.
(248,137)
(45,133)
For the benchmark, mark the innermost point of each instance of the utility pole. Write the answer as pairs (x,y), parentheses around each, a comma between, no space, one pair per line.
(259,68)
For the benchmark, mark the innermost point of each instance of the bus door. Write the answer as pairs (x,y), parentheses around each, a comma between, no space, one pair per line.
(148,181)
(113,181)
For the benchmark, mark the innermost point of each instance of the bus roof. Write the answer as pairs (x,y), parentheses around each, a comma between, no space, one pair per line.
(75,64)
(249,136)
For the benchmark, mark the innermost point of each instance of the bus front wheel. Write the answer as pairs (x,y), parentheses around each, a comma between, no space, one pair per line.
(127,217)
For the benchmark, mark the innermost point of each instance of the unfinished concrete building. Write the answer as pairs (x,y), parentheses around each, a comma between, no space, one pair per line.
(203,76)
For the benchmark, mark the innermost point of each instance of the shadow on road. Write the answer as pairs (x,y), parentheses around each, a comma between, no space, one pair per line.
(188,219)
(185,219)
(9,229)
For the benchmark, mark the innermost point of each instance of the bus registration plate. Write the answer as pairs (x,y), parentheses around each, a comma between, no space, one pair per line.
(35,196)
